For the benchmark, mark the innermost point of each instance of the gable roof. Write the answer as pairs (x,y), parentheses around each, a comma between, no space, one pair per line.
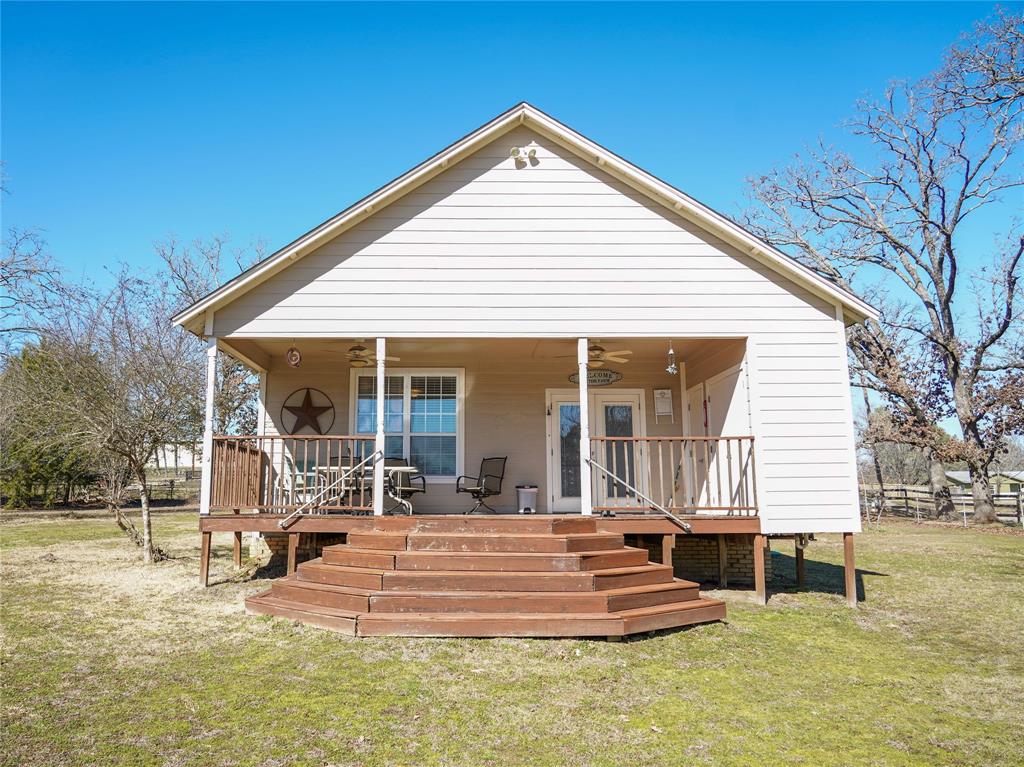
(855,309)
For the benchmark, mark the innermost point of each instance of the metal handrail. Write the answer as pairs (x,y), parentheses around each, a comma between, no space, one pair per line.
(321,494)
(650,501)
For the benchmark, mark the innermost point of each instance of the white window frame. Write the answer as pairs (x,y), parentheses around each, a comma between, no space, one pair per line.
(407,374)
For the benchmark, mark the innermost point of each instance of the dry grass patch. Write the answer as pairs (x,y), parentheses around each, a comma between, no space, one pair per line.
(108,662)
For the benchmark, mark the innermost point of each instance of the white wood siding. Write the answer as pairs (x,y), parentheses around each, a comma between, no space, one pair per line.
(562,249)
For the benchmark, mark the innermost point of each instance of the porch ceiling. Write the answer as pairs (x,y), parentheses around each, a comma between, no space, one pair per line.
(648,353)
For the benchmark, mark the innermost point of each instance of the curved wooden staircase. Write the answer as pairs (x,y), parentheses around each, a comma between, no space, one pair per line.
(455,576)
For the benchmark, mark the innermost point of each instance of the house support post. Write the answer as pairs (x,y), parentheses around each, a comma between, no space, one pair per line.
(668,544)
(760,589)
(723,563)
(204,558)
(582,358)
(378,445)
(849,570)
(799,556)
(293,552)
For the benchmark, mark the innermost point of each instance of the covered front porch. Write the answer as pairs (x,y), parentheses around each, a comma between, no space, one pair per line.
(620,426)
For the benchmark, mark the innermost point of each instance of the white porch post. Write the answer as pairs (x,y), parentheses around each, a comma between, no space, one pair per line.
(378,445)
(582,358)
(206,482)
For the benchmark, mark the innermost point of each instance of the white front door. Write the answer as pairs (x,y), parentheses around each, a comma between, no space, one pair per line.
(612,414)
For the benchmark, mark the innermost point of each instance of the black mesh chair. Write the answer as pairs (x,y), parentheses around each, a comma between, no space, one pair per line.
(401,485)
(488,483)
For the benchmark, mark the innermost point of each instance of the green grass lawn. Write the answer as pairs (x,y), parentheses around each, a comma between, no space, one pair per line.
(107,662)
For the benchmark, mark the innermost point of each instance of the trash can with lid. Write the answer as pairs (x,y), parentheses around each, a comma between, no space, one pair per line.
(526,497)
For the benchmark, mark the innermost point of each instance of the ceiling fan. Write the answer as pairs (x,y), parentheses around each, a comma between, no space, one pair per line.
(597,356)
(360,356)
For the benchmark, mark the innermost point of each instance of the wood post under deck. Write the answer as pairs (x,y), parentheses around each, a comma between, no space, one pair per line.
(204,558)
(849,570)
(293,551)
(799,556)
(668,544)
(723,563)
(760,588)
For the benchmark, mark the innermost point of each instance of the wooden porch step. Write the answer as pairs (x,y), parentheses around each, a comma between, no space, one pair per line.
(377,539)
(342,621)
(322,594)
(357,577)
(624,577)
(495,561)
(672,615)
(552,543)
(489,625)
(482,580)
(510,523)
(516,602)
(351,556)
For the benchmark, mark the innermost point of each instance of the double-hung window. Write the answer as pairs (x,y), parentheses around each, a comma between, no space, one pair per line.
(422,417)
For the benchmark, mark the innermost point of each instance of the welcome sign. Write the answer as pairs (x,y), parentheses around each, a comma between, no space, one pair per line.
(599,377)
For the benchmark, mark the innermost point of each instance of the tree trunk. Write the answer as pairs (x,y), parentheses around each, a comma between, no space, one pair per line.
(942,500)
(124,523)
(981,492)
(147,528)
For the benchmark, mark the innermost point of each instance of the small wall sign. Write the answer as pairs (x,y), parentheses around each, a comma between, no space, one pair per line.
(663,404)
(598,377)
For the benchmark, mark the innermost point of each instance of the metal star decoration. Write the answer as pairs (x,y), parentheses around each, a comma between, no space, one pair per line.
(307,414)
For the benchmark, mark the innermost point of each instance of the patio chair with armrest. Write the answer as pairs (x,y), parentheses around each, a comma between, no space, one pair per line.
(488,483)
(402,485)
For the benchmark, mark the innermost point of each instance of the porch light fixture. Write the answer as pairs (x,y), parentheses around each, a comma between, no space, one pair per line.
(521,153)
(672,368)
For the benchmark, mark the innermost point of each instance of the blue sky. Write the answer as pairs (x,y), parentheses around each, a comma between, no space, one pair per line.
(126,123)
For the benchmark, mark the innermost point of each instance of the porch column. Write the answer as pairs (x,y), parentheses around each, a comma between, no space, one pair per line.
(206,481)
(378,445)
(582,358)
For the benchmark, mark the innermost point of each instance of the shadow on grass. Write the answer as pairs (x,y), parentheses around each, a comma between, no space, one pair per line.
(820,577)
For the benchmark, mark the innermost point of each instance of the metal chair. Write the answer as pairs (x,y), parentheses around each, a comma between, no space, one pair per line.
(486,484)
(401,485)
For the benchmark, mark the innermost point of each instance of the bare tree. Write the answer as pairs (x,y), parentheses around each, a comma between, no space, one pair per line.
(28,282)
(194,271)
(939,151)
(117,379)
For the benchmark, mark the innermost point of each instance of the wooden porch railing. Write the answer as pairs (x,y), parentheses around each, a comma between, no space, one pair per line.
(686,475)
(280,474)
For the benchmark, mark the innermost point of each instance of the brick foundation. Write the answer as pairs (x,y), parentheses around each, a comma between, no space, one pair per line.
(310,546)
(695,557)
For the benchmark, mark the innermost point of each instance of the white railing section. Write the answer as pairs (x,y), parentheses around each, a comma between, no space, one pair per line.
(619,481)
(683,475)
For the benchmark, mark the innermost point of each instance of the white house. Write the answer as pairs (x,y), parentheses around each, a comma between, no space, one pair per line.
(446,318)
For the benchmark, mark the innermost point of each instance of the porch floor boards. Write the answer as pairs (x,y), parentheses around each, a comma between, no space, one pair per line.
(486,577)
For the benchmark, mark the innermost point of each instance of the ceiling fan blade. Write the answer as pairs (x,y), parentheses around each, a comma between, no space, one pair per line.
(617,353)
(596,364)
(619,360)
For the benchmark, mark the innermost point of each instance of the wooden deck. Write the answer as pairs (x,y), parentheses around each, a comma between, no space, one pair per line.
(636,524)
(500,575)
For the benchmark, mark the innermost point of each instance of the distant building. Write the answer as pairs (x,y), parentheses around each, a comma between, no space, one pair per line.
(1002,481)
